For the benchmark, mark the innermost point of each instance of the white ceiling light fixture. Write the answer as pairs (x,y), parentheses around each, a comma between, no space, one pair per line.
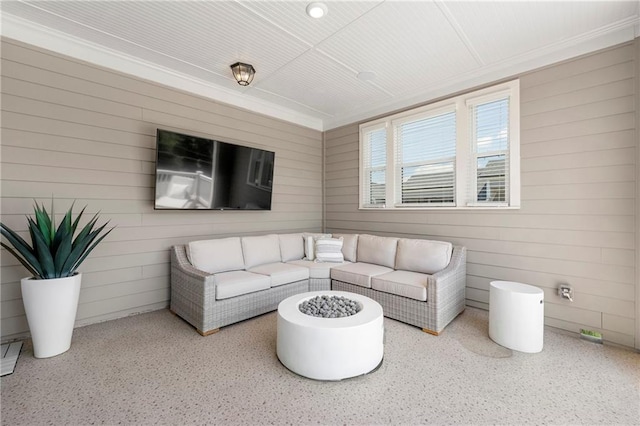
(317,10)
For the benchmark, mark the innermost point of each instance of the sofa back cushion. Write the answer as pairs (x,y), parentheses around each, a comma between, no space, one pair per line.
(349,246)
(291,247)
(219,255)
(377,250)
(260,250)
(424,256)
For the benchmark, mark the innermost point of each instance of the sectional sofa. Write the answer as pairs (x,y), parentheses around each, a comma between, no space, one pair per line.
(218,282)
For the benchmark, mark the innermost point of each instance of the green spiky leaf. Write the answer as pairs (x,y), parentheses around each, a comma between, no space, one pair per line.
(64,232)
(90,249)
(45,257)
(54,252)
(22,260)
(62,255)
(43,222)
(26,253)
(75,222)
(81,245)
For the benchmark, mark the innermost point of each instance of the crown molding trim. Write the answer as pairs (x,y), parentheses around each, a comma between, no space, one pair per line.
(40,36)
(59,42)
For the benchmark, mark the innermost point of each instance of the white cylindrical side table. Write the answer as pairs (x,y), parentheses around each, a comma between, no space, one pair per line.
(516,316)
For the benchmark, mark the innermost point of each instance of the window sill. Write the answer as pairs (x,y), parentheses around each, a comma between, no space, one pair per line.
(466,208)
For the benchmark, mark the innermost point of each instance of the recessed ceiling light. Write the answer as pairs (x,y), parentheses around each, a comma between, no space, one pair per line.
(366,75)
(317,10)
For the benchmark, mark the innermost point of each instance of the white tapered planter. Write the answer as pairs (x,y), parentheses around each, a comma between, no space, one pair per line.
(51,307)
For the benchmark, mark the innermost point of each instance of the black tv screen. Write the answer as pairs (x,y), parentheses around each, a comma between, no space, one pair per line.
(194,173)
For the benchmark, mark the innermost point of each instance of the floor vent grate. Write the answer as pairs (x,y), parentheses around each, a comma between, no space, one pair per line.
(10,353)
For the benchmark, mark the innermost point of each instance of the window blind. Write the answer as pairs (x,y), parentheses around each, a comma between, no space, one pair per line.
(490,144)
(375,167)
(425,156)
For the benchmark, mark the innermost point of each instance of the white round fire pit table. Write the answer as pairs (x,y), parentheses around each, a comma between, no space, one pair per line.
(330,348)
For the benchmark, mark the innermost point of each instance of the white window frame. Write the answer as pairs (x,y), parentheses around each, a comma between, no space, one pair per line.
(465,174)
(513,150)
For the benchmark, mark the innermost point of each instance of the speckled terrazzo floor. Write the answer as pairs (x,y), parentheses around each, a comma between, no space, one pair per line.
(155,369)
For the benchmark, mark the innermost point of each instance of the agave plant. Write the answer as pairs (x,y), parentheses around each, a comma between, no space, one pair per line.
(54,253)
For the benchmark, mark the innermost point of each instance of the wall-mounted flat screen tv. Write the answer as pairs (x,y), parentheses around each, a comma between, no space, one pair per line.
(194,173)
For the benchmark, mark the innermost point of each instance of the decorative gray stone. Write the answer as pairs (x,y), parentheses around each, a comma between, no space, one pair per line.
(329,307)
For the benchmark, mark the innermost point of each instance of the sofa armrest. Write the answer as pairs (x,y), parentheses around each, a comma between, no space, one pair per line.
(179,260)
(193,292)
(446,289)
(458,260)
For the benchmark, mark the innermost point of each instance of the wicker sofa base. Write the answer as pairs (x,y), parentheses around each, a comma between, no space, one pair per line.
(224,312)
(410,311)
(319,284)
(193,296)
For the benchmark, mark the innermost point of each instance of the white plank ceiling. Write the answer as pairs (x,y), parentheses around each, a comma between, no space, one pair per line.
(307,68)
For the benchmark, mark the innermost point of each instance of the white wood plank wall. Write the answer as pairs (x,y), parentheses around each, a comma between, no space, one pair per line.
(80,132)
(577,221)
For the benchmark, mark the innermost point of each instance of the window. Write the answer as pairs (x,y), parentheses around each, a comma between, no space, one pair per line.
(425,158)
(490,145)
(458,153)
(261,169)
(374,166)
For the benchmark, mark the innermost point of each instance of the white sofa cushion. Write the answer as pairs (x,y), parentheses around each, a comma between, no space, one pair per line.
(317,270)
(282,273)
(377,250)
(358,273)
(349,246)
(329,250)
(403,283)
(310,244)
(236,283)
(291,247)
(219,255)
(261,250)
(424,256)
